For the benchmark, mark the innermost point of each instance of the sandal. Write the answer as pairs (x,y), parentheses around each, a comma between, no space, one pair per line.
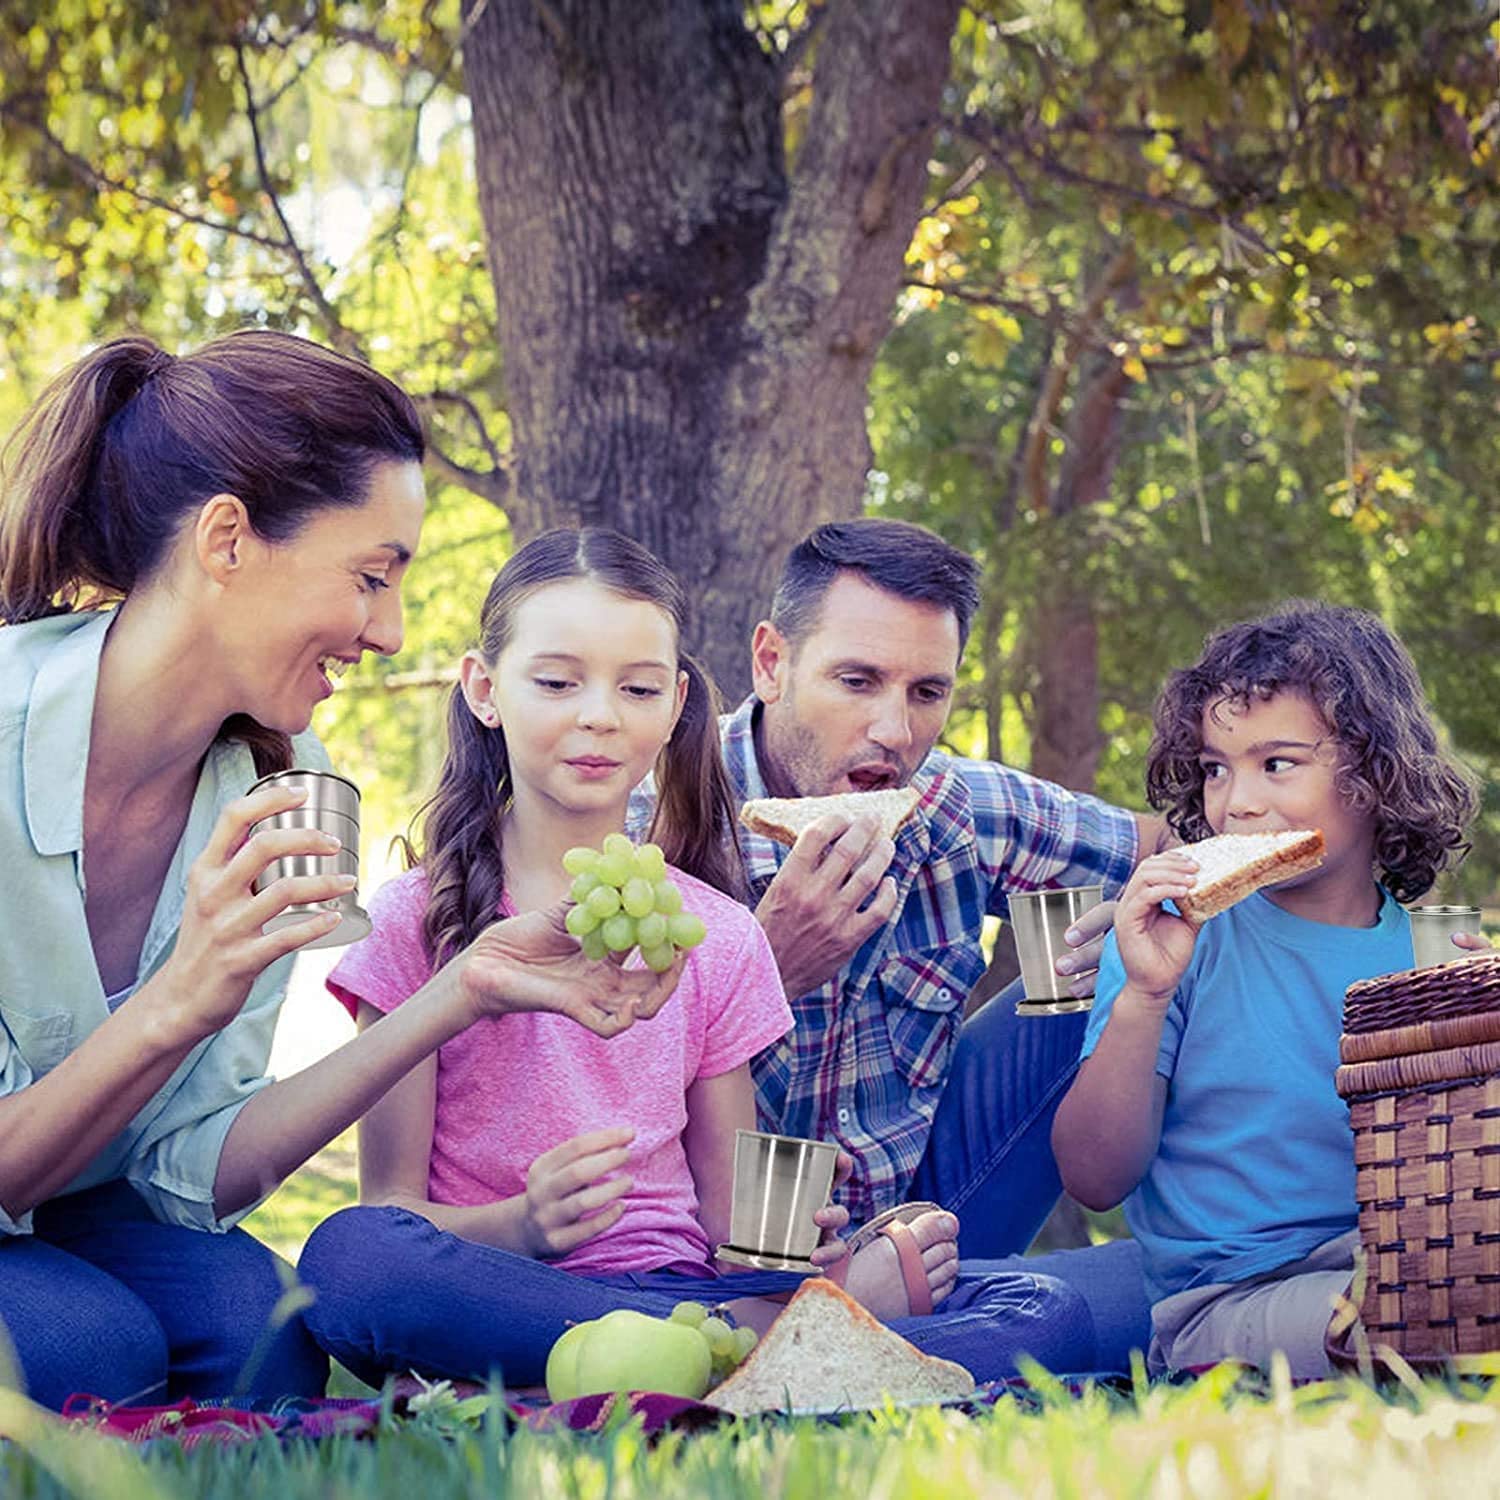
(893,1225)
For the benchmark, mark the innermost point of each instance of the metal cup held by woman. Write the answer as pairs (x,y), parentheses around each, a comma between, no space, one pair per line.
(332,807)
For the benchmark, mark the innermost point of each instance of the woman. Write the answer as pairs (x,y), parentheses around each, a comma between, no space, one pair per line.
(251,508)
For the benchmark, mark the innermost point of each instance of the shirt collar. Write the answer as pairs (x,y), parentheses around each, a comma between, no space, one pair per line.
(59,719)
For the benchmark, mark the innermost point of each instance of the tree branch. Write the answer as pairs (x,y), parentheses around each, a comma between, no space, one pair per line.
(466,404)
(84,169)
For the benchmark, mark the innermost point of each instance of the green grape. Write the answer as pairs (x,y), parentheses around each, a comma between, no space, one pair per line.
(580,859)
(583,884)
(618,845)
(651,931)
(615,869)
(593,944)
(651,863)
(720,1336)
(637,897)
(603,901)
(745,1340)
(691,1313)
(686,930)
(668,898)
(659,959)
(619,933)
(580,921)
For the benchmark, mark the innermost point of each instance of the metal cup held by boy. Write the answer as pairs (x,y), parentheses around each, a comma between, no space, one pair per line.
(1039,920)
(332,807)
(1432,929)
(780,1182)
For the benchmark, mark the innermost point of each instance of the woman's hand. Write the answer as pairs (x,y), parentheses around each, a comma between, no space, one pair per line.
(570,1195)
(832,1219)
(532,962)
(221,948)
(1155,945)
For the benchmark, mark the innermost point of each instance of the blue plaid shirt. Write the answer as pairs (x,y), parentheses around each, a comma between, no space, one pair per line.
(867,1058)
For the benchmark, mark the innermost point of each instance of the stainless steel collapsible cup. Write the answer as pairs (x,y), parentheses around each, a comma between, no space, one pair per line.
(780,1182)
(1040,918)
(332,806)
(1432,929)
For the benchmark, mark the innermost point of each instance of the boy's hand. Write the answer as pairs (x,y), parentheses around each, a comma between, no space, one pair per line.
(1155,945)
(570,1196)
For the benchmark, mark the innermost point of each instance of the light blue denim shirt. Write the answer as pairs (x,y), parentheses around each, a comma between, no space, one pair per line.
(51,997)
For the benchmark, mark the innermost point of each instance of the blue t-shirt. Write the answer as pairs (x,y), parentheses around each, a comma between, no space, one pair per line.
(1255,1167)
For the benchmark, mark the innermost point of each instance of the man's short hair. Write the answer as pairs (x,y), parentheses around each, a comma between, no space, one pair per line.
(906,560)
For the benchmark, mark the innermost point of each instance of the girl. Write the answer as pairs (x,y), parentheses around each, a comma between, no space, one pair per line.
(1207,1092)
(529,1176)
(249,511)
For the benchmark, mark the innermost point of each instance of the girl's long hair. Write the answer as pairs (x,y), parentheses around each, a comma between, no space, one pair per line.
(126,443)
(459,845)
(1361,678)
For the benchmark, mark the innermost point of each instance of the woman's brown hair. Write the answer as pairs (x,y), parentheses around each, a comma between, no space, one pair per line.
(1360,677)
(460,842)
(129,441)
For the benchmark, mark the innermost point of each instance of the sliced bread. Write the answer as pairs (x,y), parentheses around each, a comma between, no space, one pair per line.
(783,818)
(1231,865)
(824,1351)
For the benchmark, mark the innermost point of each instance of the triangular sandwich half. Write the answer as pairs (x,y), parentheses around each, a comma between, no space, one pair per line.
(783,818)
(825,1351)
(1231,865)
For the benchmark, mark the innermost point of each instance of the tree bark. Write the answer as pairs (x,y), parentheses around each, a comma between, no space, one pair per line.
(689,326)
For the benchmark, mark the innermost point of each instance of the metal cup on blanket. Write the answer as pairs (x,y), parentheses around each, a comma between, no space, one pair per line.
(1040,918)
(332,807)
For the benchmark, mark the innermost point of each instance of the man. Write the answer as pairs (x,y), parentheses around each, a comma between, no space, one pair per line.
(878,941)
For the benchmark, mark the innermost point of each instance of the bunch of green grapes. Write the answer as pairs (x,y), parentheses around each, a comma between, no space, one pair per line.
(626,901)
(727,1346)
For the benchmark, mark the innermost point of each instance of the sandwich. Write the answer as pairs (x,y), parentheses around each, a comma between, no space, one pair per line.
(1231,865)
(824,1352)
(783,818)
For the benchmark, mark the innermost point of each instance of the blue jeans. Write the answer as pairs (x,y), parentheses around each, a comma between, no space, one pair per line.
(989,1159)
(102,1298)
(395,1293)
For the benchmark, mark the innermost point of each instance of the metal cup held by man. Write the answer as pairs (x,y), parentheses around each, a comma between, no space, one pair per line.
(332,807)
(1039,920)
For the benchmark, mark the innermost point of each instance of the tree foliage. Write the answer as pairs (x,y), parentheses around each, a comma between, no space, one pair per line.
(1199,310)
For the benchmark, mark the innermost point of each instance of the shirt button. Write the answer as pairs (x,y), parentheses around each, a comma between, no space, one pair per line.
(843,1117)
(945,994)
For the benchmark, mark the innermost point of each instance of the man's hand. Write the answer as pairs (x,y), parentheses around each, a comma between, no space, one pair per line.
(829,896)
(1086,938)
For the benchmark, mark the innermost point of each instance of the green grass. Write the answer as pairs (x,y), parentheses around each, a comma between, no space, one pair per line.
(1215,1438)
(1225,1436)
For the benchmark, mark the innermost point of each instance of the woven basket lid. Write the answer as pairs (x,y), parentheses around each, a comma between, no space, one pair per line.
(1462,987)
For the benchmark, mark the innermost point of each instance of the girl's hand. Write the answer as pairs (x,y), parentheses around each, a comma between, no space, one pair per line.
(532,962)
(832,1218)
(570,1196)
(1155,945)
(220,949)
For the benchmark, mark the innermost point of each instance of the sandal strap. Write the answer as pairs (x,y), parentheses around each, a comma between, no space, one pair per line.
(913,1271)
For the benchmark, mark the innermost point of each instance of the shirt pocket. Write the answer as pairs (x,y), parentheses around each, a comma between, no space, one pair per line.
(43,1038)
(923,992)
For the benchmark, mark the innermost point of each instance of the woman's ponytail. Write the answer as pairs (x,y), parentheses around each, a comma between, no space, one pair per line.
(694,819)
(460,846)
(58,548)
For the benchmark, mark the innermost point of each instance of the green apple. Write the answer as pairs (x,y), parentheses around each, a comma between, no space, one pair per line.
(628,1351)
(562,1364)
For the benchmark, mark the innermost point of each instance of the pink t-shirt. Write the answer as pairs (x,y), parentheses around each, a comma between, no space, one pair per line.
(512,1087)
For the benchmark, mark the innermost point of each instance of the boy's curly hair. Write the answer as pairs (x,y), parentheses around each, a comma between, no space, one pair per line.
(1360,677)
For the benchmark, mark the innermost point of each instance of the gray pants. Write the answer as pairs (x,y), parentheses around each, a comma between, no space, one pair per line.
(1286,1309)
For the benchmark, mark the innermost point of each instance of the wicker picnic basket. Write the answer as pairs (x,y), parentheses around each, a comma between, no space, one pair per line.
(1420,1070)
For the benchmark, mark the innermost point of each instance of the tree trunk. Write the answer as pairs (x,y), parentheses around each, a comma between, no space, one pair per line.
(688,326)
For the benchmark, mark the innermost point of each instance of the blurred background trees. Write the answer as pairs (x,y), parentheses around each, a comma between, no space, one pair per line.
(1165,310)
